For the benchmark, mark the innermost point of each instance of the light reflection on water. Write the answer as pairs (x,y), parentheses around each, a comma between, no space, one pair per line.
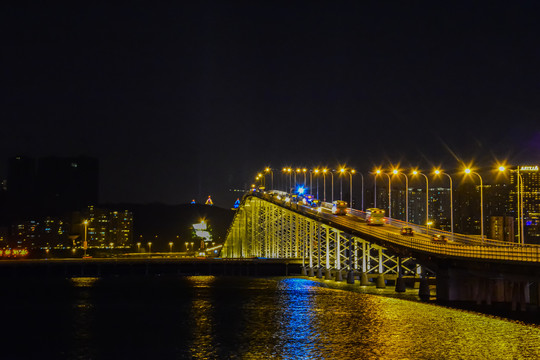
(205,317)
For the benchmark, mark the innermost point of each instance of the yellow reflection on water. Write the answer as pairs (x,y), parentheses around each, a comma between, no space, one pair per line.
(352,324)
(83,281)
(202,318)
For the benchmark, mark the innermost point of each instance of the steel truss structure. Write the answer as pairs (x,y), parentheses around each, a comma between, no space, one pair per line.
(262,229)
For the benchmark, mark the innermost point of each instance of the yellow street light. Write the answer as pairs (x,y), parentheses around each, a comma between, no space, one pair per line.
(397,172)
(427,191)
(85,244)
(469,171)
(440,172)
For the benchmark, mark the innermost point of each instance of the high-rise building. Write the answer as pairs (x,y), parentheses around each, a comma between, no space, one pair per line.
(67,184)
(50,186)
(529,193)
(106,227)
(20,188)
(501,228)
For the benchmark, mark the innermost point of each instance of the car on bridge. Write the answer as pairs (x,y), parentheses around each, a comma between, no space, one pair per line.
(407,230)
(438,238)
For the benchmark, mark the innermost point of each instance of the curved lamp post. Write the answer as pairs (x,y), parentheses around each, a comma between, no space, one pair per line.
(389,192)
(316,171)
(469,171)
(397,172)
(427,193)
(351,172)
(268,169)
(440,172)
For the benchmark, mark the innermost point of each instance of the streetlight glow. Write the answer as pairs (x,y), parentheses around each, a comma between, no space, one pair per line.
(469,171)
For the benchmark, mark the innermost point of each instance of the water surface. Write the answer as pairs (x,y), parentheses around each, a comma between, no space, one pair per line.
(205,317)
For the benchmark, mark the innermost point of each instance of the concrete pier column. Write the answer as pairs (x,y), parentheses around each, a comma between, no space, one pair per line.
(400,284)
(319,272)
(339,275)
(380,283)
(350,277)
(515,295)
(364,279)
(480,290)
(423,289)
(489,291)
(311,272)
(519,295)
(304,272)
(327,274)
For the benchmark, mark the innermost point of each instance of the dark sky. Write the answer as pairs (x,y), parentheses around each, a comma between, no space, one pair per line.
(187,100)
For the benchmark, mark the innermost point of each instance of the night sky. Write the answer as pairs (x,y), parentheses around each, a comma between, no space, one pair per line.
(188,100)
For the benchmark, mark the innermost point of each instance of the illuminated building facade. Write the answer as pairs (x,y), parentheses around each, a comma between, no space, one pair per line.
(501,228)
(106,227)
(438,207)
(529,192)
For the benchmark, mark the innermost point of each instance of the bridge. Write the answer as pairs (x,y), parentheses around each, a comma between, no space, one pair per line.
(344,247)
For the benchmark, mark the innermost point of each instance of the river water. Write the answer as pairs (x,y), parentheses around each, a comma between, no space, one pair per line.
(205,317)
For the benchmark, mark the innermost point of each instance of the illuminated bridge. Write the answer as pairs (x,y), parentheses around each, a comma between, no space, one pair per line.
(345,247)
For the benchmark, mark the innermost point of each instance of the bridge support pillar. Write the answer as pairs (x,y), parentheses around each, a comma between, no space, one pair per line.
(364,279)
(319,273)
(311,272)
(519,296)
(327,274)
(339,276)
(400,284)
(350,277)
(380,284)
(423,289)
(304,272)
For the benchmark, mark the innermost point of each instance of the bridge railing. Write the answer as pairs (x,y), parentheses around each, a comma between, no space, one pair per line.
(509,252)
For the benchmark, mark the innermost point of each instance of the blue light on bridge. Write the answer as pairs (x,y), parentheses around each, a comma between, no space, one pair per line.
(301,190)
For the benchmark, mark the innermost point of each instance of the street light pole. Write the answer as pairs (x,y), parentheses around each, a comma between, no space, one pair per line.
(375,189)
(350,184)
(332,174)
(317,176)
(324,184)
(451,202)
(310,182)
(271,176)
(389,192)
(469,171)
(396,172)
(341,188)
(427,193)
(362,177)
(85,244)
